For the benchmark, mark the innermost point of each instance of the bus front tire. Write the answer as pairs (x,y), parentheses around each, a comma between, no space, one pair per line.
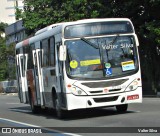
(59,112)
(122,108)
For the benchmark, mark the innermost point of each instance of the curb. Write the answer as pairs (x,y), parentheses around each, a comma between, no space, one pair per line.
(151,96)
(15,94)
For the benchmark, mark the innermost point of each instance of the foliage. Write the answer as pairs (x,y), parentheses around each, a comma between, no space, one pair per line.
(3,62)
(40,13)
(2,27)
(5,52)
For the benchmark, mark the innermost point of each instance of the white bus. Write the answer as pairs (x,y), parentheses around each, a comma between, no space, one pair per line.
(82,64)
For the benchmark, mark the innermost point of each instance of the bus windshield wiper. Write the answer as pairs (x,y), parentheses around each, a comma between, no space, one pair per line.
(114,40)
(90,43)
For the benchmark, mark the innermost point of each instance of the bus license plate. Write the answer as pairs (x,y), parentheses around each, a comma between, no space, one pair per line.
(132,97)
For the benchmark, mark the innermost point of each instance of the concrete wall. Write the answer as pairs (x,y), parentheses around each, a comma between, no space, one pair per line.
(8,86)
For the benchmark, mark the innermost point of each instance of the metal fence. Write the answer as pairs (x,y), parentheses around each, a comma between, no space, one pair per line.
(8,86)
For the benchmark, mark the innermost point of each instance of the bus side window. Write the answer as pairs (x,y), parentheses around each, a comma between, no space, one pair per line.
(60,63)
(52,52)
(30,58)
(45,48)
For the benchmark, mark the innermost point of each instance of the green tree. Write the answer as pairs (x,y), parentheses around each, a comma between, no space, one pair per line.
(5,52)
(2,29)
(3,62)
(40,13)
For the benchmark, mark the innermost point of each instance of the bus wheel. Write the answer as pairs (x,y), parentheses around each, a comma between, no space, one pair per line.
(59,112)
(35,109)
(122,108)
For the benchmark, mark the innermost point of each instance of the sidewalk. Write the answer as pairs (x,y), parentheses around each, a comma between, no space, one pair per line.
(152,95)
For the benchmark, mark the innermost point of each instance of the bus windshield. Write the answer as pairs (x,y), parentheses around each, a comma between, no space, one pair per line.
(105,57)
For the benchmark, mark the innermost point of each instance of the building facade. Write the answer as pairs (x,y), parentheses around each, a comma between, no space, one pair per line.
(8,8)
(15,33)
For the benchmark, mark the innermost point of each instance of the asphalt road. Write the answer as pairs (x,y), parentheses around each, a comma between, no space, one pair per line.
(142,116)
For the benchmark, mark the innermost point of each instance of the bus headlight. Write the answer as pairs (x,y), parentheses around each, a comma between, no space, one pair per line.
(77,91)
(133,86)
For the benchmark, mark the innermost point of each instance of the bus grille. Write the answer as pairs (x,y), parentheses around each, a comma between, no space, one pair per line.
(104,83)
(101,91)
(114,90)
(93,92)
(106,99)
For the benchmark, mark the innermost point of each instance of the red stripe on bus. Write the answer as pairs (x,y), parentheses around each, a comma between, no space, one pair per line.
(25,42)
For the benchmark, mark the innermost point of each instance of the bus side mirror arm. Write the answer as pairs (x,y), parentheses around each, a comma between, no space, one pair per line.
(62,53)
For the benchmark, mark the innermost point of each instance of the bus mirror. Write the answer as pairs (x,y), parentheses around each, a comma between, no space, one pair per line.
(62,53)
(137,42)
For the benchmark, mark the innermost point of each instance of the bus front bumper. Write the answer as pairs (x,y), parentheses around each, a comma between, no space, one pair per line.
(82,102)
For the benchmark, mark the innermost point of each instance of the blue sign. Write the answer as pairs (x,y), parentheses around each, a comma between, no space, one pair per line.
(108,71)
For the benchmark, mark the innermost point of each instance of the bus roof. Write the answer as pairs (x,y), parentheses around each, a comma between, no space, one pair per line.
(47,28)
(95,20)
(62,25)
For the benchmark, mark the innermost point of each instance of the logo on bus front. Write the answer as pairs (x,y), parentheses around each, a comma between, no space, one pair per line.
(106,90)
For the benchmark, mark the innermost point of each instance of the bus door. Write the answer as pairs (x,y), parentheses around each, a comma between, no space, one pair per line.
(22,79)
(60,78)
(37,55)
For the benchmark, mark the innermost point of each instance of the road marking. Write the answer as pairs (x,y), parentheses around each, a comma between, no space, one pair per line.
(17,122)
(21,124)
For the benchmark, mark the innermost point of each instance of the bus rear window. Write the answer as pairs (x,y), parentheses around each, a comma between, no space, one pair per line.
(99,28)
